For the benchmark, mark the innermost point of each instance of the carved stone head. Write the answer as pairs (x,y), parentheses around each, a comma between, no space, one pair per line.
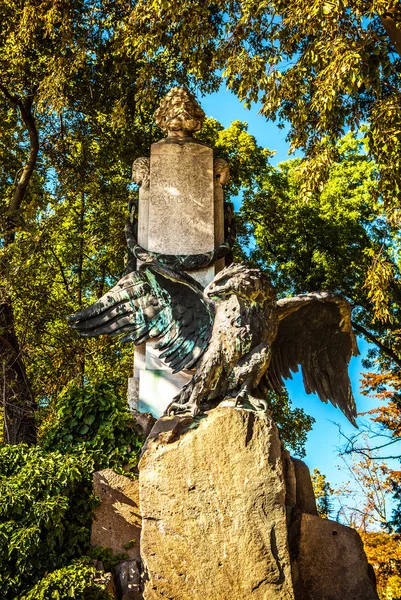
(179,114)
(221,170)
(140,171)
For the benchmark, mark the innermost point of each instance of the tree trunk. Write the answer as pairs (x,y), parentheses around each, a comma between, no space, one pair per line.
(390,20)
(13,209)
(17,399)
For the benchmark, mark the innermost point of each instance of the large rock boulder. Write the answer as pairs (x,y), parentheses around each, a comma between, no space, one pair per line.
(226,513)
(212,497)
(305,500)
(117,520)
(328,561)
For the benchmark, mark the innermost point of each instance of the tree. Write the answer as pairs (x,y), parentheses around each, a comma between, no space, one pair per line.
(323,492)
(328,243)
(33,43)
(364,499)
(323,66)
(383,551)
(68,99)
(364,505)
(293,423)
(69,244)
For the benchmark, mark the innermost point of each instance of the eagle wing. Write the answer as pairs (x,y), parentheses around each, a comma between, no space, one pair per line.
(315,332)
(154,302)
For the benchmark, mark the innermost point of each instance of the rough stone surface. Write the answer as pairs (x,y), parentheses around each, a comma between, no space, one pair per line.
(144,420)
(117,521)
(213,507)
(290,481)
(328,561)
(181,212)
(305,498)
(127,576)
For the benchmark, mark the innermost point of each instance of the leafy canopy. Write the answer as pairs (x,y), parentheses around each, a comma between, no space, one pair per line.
(323,66)
(340,240)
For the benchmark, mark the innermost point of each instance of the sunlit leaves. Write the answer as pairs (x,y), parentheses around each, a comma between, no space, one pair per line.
(323,65)
(379,277)
(323,494)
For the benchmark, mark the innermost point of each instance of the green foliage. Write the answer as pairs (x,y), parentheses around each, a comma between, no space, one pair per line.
(323,492)
(46,495)
(275,53)
(327,242)
(340,240)
(46,500)
(293,423)
(94,420)
(248,161)
(75,581)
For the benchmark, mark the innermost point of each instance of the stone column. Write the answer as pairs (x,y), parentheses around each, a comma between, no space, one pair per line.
(140,175)
(180,213)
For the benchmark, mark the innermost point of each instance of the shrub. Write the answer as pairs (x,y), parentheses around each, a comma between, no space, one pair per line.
(46,501)
(96,419)
(75,581)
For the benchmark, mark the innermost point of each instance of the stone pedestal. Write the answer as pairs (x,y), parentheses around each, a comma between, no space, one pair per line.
(212,497)
(227,514)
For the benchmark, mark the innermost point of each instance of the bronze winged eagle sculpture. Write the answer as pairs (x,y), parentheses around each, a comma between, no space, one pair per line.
(238,338)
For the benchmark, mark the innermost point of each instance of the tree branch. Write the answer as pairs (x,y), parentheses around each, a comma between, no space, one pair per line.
(29,122)
(25,109)
(389,20)
(6,93)
(390,353)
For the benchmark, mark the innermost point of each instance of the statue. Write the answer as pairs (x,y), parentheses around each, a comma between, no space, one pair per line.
(238,338)
(240,341)
(140,171)
(211,336)
(179,114)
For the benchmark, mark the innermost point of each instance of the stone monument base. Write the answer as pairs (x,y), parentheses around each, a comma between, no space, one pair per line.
(227,515)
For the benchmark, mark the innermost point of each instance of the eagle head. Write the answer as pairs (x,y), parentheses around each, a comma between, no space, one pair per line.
(249,284)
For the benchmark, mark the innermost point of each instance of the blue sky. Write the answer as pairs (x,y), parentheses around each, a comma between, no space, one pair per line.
(225,107)
(324,440)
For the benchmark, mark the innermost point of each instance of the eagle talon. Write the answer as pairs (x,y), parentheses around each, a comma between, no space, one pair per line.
(240,399)
(177,408)
(256,403)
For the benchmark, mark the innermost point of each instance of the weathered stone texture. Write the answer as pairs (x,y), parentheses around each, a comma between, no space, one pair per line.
(305,498)
(212,502)
(289,480)
(127,575)
(328,561)
(183,215)
(181,212)
(117,521)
